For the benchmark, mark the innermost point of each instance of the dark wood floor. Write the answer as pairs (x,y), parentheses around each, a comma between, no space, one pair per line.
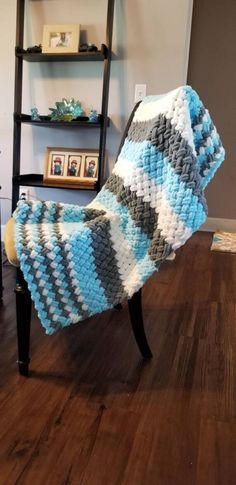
(93,413)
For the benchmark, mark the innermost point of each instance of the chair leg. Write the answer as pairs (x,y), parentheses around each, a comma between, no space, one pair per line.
(23,317)
(118,307)
(136,318)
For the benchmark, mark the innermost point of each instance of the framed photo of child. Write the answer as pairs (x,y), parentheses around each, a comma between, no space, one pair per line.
(57,164)
(91,166)
(74,165)
(71,167)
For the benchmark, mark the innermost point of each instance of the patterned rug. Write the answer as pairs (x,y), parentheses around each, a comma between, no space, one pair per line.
(224,241)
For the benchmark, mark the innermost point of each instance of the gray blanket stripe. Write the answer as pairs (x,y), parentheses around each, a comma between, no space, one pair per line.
(159,249)
(52,278)
(58,212)
(202,142)
(178,152)
(105,261)
(141,212)
(210,159)
(31,261)
(41,216)
(164,136)
(90,214)
(139,130)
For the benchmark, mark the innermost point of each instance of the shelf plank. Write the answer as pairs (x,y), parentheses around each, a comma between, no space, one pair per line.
(99,55)
(36,180)
(66,57)
(82,122)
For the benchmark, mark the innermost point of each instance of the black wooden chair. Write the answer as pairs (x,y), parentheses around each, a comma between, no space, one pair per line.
(23,316)
(23,309)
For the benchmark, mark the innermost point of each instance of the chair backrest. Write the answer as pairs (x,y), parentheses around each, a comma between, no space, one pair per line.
(127,128)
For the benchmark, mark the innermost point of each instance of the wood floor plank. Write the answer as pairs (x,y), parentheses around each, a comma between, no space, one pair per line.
(94,413)
(217,453)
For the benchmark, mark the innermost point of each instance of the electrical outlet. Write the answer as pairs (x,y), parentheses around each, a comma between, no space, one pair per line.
(140,92)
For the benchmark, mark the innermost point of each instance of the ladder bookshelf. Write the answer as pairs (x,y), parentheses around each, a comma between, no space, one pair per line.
(103,55)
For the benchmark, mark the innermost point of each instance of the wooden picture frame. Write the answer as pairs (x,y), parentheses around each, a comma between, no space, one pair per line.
(61,38)
(71,166)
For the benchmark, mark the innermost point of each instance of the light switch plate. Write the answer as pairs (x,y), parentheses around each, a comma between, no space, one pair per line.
(140,92)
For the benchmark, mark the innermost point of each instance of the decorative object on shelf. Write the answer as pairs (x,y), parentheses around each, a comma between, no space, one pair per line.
(83,47)
(61,38)
(68,166)
(35,114)
(93,116)
(36,49)
(66,110)
(92,48)
(88,47)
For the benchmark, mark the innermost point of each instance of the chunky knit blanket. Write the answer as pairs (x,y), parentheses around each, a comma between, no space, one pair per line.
(80,261)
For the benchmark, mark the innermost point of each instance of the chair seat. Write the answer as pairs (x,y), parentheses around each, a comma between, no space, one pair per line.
(10,242)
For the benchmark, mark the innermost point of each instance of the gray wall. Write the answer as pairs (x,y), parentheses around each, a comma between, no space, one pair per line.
(212,72)
(151,42)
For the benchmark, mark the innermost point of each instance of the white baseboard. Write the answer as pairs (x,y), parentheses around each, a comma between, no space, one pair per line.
(212,224)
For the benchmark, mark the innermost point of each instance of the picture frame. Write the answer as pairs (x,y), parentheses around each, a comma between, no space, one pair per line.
(71,166)
(61,38)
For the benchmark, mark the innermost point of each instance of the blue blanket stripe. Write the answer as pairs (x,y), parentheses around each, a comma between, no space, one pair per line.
(51,211)
(63,278)
(146,268)
(26,268)
(159,169)
(45,261)
(22,215)
(194,102)
(138,240)
(90,285)
(69,213)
